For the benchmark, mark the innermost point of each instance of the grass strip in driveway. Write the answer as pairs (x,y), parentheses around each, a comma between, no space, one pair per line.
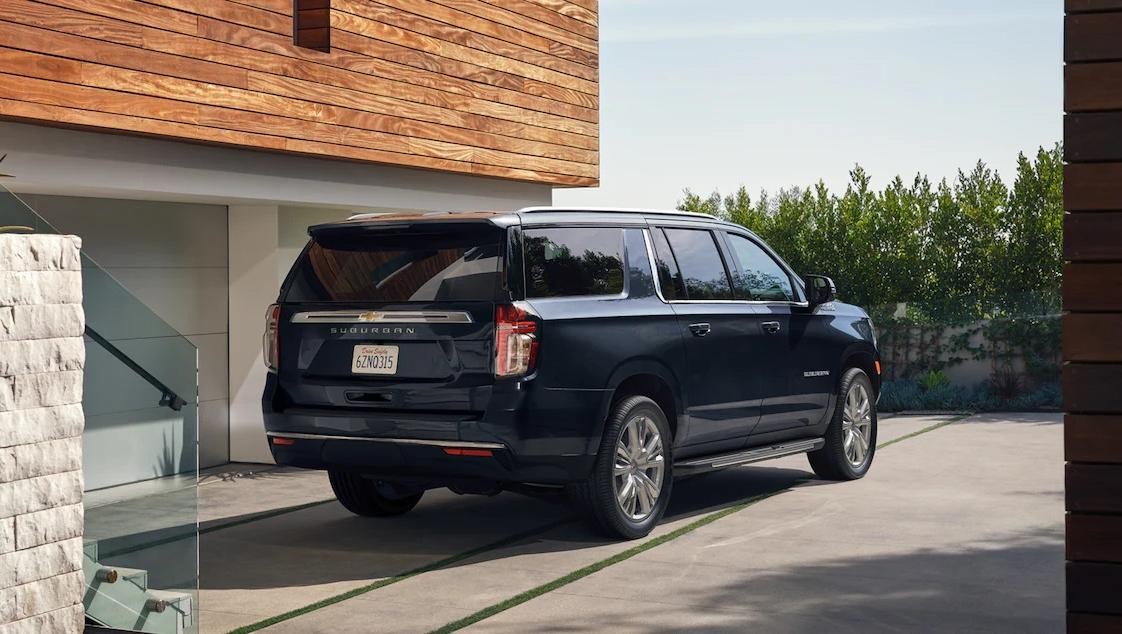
(600,565)
(381,583)
(949,421)
(533,593)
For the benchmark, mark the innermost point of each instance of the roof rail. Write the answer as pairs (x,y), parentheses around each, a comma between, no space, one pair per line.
(619,210)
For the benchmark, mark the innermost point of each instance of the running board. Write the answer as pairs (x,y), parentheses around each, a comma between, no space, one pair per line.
(720,461)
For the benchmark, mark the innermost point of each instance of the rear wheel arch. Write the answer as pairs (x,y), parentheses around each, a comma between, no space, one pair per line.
(644,378)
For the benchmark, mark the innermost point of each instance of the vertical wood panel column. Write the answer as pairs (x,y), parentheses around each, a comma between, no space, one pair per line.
(1092,325)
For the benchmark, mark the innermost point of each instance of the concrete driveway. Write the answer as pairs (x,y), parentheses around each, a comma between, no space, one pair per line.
(958,527)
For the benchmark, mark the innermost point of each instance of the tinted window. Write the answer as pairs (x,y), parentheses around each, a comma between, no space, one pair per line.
(574,261)
(669,277)
(428,268)
(760,277)
(700,262)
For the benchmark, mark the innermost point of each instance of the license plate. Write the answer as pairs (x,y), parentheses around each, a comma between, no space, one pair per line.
(374,360)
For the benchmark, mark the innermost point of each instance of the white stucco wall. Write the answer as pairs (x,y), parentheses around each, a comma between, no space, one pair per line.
(172,257)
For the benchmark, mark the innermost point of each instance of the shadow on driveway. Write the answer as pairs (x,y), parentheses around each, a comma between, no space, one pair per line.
(325,544)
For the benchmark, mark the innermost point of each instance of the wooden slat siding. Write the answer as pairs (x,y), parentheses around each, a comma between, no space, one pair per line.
(510,18)
(100,121)
(1094,588)
(1093,187)
(1093,136)
(455,17)
(1092,388)
(423,25)
(39,91)
(283,7)
(1095,538)
(1091,623)
(360,125)
(1093,287)
(1094,488)
(542,14)
(1084,6)
(371,29)
(411,113)
(570,9)
(1093,37)
(1094,337)
(483,97)
(446,92)
(1091,87)
(1092,237)
(1093,438)
(1091,378)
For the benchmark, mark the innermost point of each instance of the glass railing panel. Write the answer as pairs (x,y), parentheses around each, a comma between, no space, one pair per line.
(140,454)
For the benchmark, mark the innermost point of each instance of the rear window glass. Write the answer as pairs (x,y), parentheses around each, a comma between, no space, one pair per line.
(415,269)
(574,261)
(702,268)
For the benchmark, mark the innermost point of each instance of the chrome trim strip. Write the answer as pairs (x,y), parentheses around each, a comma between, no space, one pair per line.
(757,454)
(382,317)
(401,441)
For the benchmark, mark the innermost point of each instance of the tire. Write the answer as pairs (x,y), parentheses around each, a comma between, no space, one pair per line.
(837,459)
(362,496)
(634,515)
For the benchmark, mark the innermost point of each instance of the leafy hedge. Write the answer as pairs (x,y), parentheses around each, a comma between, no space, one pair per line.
(976,263)
(965,250)
(911,395)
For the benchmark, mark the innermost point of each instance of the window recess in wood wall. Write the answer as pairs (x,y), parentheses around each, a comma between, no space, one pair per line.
(311,24)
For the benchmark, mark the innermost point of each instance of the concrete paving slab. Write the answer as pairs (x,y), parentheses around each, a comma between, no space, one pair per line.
(239,491)
(281,563)
(498,574)
(958,529)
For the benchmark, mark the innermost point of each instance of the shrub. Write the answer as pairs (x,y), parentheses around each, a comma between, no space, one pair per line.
(910,395)
(934,379)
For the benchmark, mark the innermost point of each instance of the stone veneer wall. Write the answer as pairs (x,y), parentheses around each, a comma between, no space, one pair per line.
(42,353)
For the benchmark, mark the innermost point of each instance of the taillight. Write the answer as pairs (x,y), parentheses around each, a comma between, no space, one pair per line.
(516,341)
(270,343)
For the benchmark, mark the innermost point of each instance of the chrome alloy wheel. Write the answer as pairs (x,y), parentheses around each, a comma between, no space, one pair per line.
(857,424)
(638,469)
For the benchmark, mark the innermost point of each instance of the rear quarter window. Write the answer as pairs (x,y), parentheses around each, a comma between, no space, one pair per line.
(574,261)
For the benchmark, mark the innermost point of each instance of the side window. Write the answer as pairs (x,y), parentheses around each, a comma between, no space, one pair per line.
(760,277)
(575,261)
(703,271)
(669,277)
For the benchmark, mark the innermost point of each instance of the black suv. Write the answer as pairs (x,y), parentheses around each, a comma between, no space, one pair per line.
(600,351)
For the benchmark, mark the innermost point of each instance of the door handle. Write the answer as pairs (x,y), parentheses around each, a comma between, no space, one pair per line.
(700,329)
(771,327)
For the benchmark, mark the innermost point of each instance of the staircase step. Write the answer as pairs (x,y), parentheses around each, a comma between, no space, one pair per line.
(175,600)
(134,575)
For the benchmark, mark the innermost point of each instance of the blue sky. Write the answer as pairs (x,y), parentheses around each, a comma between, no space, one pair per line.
(711,94)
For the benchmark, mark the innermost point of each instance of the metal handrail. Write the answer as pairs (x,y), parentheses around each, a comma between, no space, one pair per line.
(168,396)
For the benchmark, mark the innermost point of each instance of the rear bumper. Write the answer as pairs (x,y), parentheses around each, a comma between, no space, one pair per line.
(546,438)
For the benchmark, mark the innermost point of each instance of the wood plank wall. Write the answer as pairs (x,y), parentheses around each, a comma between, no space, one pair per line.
(502,88)
(1092,322)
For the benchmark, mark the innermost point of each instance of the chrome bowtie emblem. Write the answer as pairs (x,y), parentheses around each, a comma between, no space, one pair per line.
(370,316)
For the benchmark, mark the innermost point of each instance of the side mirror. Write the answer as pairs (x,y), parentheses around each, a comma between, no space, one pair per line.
(820,290)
